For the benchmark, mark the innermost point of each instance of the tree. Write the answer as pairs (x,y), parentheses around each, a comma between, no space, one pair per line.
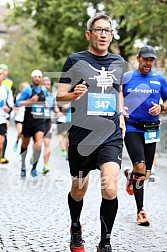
(22,54)
(138,19)
(62,23)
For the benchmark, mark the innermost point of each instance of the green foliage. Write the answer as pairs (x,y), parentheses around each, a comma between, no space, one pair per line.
(60,27)
(62,24)
(22,54)
(139,19)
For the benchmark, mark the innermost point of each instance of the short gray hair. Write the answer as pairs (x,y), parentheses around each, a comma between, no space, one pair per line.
(96,17)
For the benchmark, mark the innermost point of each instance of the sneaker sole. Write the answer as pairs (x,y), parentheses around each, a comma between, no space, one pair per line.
(98,249)
(44,172)
(144,224)
(129,191)
(5,162)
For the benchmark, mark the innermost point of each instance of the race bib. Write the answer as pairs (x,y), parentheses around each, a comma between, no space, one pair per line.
(37,109)
(152,136)
(47,112)
(101,104)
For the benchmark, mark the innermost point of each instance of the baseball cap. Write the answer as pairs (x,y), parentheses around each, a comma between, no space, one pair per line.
(147,52)
(36,73)
(3,66)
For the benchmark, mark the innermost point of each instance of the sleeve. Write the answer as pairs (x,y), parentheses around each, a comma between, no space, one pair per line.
(66,73)
(25,95)
(9,101)
(163,89)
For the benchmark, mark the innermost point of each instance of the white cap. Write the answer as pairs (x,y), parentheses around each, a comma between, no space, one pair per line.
(36,73)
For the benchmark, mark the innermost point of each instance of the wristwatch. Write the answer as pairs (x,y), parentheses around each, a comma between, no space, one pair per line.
(162,107)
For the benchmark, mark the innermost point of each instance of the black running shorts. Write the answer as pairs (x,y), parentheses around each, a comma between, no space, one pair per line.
(31,128)
(81,165)
(3,129)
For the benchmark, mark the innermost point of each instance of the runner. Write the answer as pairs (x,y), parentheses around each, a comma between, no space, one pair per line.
(6,104)
(33,98)
(47,115)
(7,82)
(91,83)
(142,90)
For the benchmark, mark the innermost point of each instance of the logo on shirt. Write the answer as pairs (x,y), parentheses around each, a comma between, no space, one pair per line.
(104,79)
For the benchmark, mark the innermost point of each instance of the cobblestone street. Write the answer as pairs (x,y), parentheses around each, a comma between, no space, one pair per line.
(34,214)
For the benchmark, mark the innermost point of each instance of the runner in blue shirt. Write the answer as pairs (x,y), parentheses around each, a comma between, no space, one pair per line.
(33,98)
(46,82)
(142,90)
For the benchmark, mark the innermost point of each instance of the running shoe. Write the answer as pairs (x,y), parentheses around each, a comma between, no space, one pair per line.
(106,248)
(152,177)
(142,219)
(4,160)
(46,169)
(23,173)
(15,147)
(34,173)
(129,183)
(76,244)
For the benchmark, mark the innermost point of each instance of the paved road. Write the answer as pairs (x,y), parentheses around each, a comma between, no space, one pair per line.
(34,215)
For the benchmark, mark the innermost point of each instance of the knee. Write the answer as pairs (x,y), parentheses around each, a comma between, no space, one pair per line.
(38,145)
(77,194)
(109,192)
(109,187)
(140,168)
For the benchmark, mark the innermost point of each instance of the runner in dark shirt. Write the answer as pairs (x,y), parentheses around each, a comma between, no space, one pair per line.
(91,82)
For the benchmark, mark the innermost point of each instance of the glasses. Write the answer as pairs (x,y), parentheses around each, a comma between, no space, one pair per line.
(100,30)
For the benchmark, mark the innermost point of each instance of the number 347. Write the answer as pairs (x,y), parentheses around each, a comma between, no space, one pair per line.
(102,104)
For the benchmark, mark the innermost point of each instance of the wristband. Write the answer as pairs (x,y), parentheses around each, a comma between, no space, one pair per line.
(162,107)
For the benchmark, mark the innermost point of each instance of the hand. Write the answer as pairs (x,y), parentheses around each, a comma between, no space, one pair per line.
(34,98)
(126,114)
(80,90)
(155,110)
(5,108)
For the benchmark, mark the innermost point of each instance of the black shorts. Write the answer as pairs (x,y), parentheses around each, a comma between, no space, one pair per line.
(16,122)
(81,165)
(138,150)
(3,129)
(31,128)
(47,132)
